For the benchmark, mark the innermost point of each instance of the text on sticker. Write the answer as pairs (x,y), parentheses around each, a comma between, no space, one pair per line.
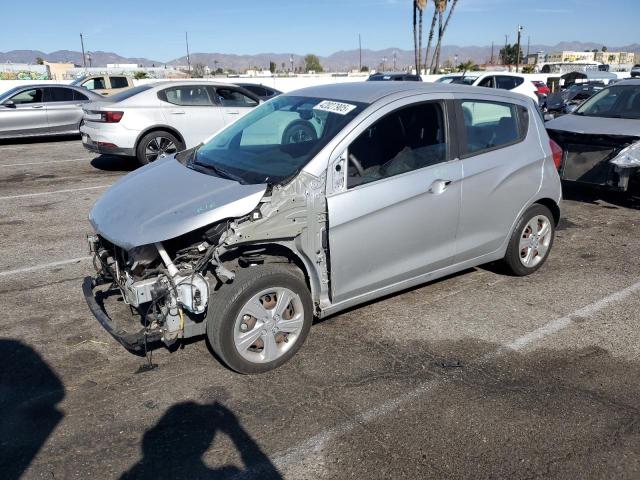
(334,107)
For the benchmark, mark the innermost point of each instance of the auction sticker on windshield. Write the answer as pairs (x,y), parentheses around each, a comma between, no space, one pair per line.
(334,107)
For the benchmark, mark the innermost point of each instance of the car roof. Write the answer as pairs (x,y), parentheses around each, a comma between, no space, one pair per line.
(628,81)
(181,83)
(370,92)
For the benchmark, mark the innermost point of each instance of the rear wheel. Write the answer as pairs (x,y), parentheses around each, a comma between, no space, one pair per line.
(261,319)
(299,132)
(157,145)
(531,241)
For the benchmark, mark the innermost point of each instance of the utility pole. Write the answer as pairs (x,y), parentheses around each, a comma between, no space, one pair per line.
(520,27)
(291,61)
(186,39)
(84,59)
(504,53)
(360,51)
(528,45)
(492,47)
(395,58)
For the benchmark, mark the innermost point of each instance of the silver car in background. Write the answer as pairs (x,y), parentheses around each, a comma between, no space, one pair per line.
(48,109)
(251,235)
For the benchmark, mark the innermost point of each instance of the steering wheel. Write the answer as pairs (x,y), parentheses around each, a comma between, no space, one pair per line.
(356,163)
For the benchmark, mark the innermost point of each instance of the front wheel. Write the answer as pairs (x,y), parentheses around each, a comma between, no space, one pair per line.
(531,241)
(261,319)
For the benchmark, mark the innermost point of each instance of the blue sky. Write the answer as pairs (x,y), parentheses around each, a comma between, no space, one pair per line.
(155,29)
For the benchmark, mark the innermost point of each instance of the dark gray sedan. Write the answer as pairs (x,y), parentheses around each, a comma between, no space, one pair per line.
(47,109)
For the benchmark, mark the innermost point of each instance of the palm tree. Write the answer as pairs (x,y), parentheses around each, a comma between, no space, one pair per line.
(420,5)
(441,6)
(431,30)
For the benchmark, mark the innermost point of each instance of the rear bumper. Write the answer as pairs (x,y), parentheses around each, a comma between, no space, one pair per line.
(134,342)
(96,147)
(110,139)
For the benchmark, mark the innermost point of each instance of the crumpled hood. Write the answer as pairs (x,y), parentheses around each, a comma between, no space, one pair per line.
(164,200)
(595,125)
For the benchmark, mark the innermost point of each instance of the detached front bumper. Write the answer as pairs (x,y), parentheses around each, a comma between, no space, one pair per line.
(134,342)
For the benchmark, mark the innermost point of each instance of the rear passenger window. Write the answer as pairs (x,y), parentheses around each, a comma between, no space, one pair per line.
(489,125)
(232,98)
(79,96)
(58,94)
(119,82)
(407,139)
(187,95)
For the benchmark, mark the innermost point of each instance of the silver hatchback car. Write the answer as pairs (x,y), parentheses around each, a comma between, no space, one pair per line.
(248,237)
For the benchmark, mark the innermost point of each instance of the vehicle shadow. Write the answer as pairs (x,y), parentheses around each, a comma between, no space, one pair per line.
(588,194)
(174,447)
(43,139)
(29,393)
(110,163)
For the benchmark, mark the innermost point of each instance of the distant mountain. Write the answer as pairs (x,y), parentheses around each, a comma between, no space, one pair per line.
(338,61)
(98,58)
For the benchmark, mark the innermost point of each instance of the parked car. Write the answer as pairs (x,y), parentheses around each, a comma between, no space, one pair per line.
(263,92)
(394,77)
(635,71)
(35,110)
(601,138)
(500,80)
(104,84)
(154,120)
(246,241)
(568,100)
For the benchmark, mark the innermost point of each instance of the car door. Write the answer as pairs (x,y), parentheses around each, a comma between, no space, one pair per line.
(502,166)
(24,114)
(395,217)
(64,111)
(191,110)
(234,103)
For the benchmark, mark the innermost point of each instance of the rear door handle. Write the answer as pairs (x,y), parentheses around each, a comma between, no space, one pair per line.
(233,112)
(438,186)
(177,112)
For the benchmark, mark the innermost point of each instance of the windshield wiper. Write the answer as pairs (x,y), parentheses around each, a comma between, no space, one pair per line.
(216,170)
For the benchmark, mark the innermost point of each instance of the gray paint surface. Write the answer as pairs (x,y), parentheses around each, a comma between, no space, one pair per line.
(166,199)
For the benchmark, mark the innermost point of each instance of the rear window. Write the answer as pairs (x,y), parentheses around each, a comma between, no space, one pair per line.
(119,82)
(504,82)
(118,97)
(491,125)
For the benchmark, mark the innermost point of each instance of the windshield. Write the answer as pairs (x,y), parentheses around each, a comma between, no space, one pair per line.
(274,141)
(620,101)
(9,93)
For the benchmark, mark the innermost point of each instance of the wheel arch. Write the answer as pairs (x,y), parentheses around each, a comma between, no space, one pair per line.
(158,128)
(552,206)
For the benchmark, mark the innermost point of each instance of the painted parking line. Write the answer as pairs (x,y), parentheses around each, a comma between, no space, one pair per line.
(43,266)
(315,444)
(46,163)
(54,192)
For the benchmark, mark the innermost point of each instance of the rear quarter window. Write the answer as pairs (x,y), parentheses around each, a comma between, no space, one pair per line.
(490,125)
(119,82)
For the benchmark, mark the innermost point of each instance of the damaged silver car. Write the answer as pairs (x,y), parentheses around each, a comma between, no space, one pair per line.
(317,201)
(601,139)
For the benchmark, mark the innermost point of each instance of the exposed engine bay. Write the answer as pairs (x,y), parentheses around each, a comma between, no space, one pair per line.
(167,284)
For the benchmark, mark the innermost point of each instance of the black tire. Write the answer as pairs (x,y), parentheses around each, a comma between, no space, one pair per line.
(149,141)
(298,132)
(512,259)
(225,305)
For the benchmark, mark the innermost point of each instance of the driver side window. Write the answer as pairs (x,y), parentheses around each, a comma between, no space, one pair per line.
(408,139)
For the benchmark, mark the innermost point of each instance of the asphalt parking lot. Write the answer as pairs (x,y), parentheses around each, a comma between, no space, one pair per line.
(479,375)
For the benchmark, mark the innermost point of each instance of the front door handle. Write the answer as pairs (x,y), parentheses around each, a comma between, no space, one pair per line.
(438,186)
(37,106)
(233,112)
(177,112)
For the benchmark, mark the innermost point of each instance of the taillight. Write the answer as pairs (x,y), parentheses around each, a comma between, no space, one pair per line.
(111,117)
(557,153)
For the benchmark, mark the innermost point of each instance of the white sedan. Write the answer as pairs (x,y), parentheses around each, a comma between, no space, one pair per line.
(500,80)
(155,120)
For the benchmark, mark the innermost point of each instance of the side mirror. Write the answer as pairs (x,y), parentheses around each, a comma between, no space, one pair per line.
(9,104)
(548,117)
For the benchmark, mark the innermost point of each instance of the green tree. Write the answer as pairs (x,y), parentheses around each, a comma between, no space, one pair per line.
(509,54)
(604,49)
(468,66)
(219,71)
(528,69)
(198,70)
(312,63)
(140,75)
(39,61)
(364,68)
(272,67)
(441,7)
